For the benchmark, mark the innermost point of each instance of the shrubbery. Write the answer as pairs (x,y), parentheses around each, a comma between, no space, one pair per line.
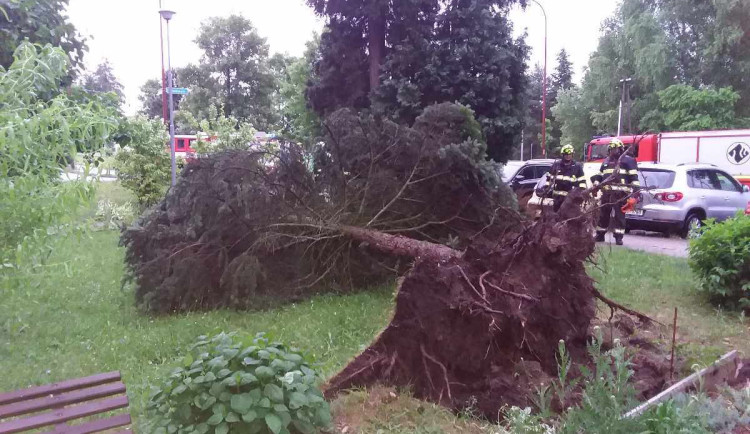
(720,257)
(41,129)
(143,164)
(237,384)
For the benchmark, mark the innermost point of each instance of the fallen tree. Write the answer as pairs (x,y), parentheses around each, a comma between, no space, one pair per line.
(480,328)
(249,229)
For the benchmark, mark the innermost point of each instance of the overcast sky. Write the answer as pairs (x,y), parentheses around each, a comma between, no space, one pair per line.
(127,32)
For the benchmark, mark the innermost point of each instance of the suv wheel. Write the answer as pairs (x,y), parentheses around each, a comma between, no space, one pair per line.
(693,223)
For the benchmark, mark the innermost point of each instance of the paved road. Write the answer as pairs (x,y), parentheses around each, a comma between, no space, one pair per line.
(653,243)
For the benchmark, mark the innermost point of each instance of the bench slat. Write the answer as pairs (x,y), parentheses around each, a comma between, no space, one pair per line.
(63,386)
(57,401)
(64,415)
(95,426)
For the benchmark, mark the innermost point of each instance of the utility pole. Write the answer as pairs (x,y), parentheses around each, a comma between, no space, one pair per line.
(544,85)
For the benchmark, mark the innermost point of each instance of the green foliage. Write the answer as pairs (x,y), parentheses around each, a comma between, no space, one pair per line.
(454,51)
(606,397)
(103,80)
(41,22)
(722,412)
(223,133)
(231,383)
(684,108)
(659,44)
(233,73)
(298,121)
(113,216)
(39,132)
(151,101)
(143,163)
(720,258)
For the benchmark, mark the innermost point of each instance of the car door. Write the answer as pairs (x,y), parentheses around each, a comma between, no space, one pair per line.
(734,197)
(708,190)
(524,181)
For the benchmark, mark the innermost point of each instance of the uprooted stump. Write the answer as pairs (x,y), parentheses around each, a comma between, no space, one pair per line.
(480,328)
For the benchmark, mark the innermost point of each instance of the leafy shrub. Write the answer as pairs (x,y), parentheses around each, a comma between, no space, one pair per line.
(605,398)
(720,257)
(238,384)
(143,164)
(723,412)
(114,216)
(41,129)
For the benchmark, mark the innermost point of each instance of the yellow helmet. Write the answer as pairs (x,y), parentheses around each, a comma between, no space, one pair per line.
(567,149)
(616,143)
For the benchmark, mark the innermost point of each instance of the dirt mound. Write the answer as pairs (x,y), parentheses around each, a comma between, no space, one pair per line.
(481,329)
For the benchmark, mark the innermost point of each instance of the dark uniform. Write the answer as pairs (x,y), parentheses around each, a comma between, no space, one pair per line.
(564,176)
(615,193)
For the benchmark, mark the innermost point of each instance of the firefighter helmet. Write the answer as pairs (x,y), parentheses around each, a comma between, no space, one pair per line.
(616,143)
(567,149)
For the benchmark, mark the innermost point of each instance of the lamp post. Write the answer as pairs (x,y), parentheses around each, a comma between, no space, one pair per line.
(544,85)
(167,15)
(163,75)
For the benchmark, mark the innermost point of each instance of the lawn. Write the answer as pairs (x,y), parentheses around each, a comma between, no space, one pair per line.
(72,318)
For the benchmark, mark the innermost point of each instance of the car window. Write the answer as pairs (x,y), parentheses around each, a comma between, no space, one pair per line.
(527,172)
(509,170)
(653,178)
(727,183)
(539,171)
(700,179)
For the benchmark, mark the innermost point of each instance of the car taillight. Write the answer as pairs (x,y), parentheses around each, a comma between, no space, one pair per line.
(669,196)
(747,209)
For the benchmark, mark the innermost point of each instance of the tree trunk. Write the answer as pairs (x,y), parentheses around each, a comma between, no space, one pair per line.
(400,246)
(376,24)
(228,104)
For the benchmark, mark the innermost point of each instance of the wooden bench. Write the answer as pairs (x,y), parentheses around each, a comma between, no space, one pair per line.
(55,405)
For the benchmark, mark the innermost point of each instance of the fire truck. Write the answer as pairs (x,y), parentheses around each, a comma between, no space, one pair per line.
(729,150)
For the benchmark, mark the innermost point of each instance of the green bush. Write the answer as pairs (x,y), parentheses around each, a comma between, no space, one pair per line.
(720,258)
(143,164)
(41,129)
(246,385)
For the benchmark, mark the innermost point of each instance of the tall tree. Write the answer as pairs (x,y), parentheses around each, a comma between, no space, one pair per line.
(685,108)
(435,51)
(41,22)
(661,43)
(103,80)
(298,121)
(233,72)
(532,131)
(150,99)
(561,79)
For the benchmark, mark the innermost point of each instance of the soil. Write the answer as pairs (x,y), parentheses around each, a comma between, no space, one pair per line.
(480,330)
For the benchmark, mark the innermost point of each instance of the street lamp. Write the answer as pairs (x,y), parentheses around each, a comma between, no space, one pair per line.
(163,73)
(544,85)
(167,15)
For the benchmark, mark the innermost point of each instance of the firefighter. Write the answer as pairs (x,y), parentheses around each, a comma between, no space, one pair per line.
(565,175)
(617,193)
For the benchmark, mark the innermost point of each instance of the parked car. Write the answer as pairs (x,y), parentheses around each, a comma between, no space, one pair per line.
(524,180)
(677,198)
(509,170)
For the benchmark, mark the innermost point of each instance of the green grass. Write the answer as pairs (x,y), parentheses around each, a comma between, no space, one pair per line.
(655,285)
(70,318)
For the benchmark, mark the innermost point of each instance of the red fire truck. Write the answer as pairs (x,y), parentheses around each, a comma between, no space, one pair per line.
(727,149)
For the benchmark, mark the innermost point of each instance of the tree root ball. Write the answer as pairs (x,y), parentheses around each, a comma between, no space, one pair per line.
(481,329)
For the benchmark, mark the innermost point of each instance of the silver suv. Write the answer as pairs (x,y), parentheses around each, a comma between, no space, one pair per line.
(678,197)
